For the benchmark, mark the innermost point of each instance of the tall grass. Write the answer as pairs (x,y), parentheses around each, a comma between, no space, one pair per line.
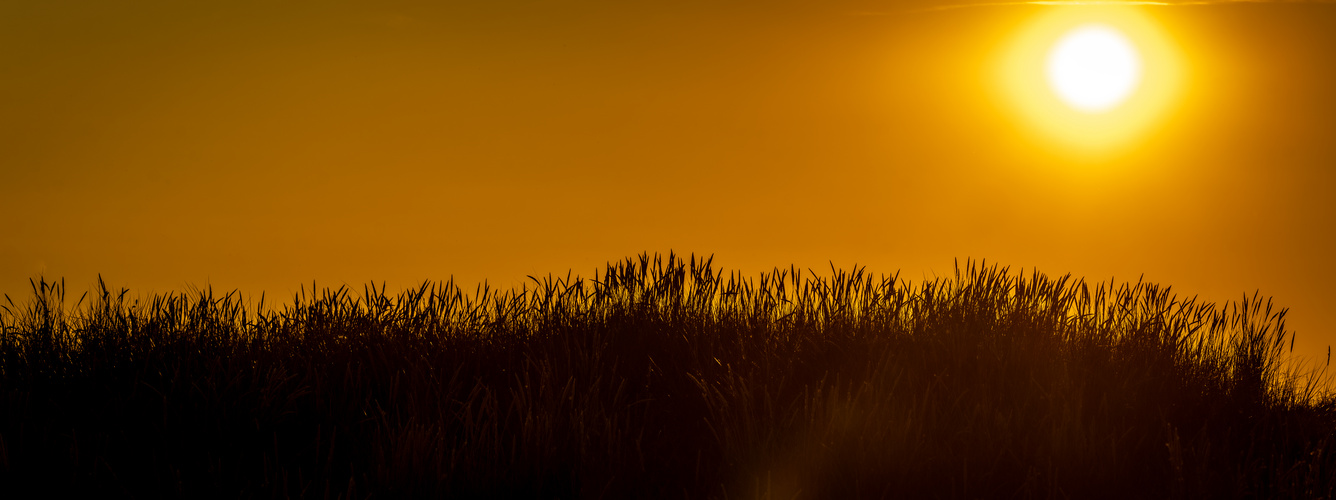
(664,377)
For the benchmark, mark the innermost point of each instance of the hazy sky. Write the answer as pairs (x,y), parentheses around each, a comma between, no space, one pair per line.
(261,145)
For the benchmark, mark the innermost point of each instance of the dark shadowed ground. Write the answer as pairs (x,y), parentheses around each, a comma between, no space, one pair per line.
(664,378)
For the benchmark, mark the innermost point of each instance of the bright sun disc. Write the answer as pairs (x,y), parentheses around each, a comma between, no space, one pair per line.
(1090,79)
(1093,68)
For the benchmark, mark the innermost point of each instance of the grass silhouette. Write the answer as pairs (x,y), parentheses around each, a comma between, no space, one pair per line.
(664,377)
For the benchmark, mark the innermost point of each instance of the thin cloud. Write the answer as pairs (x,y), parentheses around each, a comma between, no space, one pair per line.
(937,8)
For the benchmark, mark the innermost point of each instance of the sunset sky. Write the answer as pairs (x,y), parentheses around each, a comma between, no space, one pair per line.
(262,145)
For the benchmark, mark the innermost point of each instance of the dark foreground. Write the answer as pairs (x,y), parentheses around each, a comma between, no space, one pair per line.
(663,378)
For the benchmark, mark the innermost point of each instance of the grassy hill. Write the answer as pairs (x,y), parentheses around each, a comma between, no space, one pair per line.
(663,377)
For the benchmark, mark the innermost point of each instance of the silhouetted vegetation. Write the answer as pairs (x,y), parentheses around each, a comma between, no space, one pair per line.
(664,378)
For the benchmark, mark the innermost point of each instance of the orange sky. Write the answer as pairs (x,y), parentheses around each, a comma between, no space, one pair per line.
(259,146)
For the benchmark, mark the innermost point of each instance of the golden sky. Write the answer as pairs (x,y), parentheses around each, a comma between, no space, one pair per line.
(261,145)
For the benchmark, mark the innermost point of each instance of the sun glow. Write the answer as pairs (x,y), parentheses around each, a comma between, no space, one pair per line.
(1092,77)
(1093,68)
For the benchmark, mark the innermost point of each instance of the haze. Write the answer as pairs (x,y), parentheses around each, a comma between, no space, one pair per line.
(256,146)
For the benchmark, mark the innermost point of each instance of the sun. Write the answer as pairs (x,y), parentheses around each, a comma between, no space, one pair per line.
(1093,68)
(1090,78)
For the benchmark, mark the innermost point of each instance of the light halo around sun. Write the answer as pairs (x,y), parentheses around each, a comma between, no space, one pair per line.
(1090,78)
